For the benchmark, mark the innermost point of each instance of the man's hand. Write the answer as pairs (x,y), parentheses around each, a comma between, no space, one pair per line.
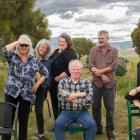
(98,72)
(105,79)
(75,95)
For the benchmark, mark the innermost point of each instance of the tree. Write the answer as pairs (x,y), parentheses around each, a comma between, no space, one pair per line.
(20,16)
(135,35)
(122,66)
(82,46)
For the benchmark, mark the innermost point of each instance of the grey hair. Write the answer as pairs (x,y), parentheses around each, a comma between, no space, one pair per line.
(77,62)
(26,40)
(41,43)
(67,38)
(103,32)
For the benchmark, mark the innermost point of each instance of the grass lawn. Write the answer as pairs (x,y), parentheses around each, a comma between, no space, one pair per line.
(123,85)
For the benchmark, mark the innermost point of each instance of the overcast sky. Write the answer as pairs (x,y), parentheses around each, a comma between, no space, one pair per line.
(84,18)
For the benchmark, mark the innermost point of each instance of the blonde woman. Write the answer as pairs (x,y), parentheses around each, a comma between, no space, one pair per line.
(21,86)
(41,51)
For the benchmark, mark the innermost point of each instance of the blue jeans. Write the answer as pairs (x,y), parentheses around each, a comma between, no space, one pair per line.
(82,117)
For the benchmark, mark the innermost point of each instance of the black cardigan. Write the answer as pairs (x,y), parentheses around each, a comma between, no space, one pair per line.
(130,97)
(60,61)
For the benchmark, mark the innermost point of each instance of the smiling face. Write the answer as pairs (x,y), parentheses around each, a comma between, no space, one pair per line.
(23,49)
(42,50)
(103,40)
(75,71)
(62,43)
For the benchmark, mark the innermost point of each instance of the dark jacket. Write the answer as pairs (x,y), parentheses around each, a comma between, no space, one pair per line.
(130,97)
(60,61)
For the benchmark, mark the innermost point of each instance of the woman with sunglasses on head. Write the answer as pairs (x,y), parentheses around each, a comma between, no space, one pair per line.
(42,51)
(21,86)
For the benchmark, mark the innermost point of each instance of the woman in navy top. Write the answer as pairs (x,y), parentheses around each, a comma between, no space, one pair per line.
(21,86)
(41,51)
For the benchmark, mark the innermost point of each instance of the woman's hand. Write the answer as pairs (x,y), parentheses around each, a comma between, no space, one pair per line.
(35,87)
(136,103)
(133,92)
(60,76)
(12,46)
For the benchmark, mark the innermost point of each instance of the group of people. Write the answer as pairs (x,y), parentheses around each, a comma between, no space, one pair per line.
(33,73)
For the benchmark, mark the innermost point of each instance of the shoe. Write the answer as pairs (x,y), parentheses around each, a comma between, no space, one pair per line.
(99,132)
(42,138)
(110,135)
(51,129)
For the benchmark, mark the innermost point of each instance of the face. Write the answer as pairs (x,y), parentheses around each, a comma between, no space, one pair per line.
(62,44)
(75,71)
(42,50)
(23,49)
(103,40)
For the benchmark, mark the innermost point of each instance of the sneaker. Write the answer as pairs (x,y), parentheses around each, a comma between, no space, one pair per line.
(110,135)
(42,138)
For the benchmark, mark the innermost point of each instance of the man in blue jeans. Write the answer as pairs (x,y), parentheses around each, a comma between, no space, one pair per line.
(75,95)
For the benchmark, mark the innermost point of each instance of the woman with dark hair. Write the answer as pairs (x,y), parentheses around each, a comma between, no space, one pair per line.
(42,51)
(59,67)
(21,85)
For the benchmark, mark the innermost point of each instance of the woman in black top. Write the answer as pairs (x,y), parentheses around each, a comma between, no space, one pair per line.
(134,95)
(59,67)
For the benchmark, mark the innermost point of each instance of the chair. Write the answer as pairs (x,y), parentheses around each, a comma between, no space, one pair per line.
(6,119)
(75,127)
(132,111)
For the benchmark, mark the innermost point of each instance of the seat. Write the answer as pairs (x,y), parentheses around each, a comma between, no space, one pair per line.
(75,127)
(132,111)
(6,119)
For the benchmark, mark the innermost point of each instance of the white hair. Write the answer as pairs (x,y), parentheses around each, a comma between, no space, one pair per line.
(25,38)
(75,62)
(41,43)
(103,32)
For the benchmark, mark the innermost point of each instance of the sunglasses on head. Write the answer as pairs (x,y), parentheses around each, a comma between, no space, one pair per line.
(24,45)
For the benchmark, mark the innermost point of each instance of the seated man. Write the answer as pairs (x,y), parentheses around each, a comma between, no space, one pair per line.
(75,95)
(134,95)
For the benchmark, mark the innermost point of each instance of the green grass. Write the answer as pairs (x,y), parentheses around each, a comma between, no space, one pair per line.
(124,84)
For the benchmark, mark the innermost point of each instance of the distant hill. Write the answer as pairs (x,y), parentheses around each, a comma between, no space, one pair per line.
(120,45)
(54,42)
(125,47)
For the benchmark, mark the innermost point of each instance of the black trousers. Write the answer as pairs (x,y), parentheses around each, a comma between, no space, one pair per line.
(54,99)
(40,97)
(23,115)
(108,96)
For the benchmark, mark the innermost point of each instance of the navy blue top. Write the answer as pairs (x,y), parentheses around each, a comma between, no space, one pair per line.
(21,77)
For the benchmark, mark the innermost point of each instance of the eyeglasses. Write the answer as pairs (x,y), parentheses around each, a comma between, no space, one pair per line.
(24,45)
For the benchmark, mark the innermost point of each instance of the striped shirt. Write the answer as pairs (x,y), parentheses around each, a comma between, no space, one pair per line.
(66,87)
(101,61)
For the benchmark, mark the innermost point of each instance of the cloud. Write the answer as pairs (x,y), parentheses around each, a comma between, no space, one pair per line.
(86,18)
(67,15)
